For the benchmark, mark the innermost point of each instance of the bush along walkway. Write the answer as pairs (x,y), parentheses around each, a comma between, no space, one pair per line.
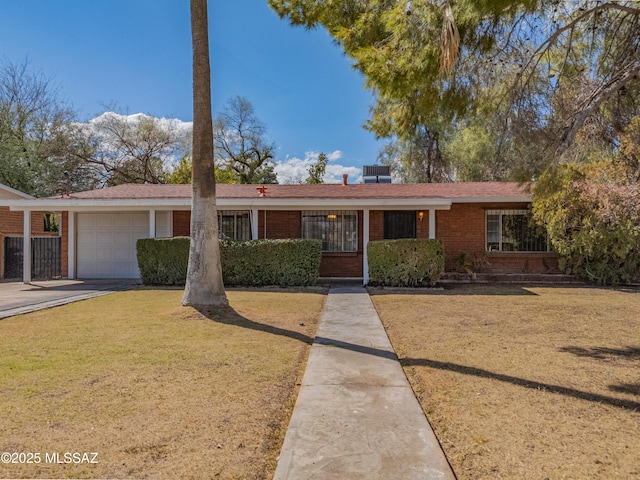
(356,415)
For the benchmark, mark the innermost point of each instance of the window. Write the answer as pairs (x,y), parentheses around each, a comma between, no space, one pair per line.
(234,225)
(511,231)
(51,223)
(338,230)
(399,224)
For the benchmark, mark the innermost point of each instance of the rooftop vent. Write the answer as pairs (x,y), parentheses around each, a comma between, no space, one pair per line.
(376,174)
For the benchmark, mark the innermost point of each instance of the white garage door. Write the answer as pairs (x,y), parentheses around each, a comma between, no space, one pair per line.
(107,244)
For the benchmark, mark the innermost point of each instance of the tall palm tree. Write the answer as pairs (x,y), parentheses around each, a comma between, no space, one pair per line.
(204,275)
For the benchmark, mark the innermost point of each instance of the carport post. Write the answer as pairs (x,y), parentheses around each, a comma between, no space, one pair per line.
(254,224)
(365,241)
(432,223)
(26,247)
(71,245)
(152,223)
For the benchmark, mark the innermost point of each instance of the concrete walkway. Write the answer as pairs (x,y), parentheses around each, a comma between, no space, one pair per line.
(356,416)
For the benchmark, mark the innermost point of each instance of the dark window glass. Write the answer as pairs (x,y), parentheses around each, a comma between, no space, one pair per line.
(399,224)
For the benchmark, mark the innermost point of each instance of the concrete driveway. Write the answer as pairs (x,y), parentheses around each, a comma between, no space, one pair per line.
(17,298)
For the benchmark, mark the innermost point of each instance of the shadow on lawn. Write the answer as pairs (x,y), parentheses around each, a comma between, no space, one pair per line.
(228,316)
(522,382)
(628,388)
(604,353)
(457,289)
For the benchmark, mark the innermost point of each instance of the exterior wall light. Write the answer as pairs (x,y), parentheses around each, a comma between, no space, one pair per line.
(420,215)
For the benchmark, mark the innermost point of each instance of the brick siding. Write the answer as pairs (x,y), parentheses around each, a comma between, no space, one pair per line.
(463,230)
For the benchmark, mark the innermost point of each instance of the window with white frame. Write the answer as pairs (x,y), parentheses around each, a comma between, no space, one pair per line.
(512,231)
(234,225)
(337,229)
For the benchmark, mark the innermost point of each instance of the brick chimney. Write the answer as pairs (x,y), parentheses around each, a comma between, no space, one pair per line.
(345,176)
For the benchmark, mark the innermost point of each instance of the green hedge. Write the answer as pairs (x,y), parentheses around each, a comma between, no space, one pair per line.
(406,262)
(163,261)
(290,262)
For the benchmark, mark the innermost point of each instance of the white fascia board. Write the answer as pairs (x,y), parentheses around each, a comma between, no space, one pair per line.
(87,205)
(336,204)
(521,199)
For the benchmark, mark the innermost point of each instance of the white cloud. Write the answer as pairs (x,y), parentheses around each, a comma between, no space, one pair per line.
(179,130)
(335,155)
(166,123)
(296,170)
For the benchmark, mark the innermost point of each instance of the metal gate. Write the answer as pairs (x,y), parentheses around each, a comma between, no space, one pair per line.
(45,257)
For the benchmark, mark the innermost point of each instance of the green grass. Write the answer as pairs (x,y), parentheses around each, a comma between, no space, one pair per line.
(525,382)
(157,389)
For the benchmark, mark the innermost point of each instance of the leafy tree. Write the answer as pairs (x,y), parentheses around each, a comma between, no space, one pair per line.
(181,172)
(417,159)
(402,47)
(317,170)
(629,152)
(36,128)
(546,69)
(204,284)
(130,149)
(473,150)
(592,215)
(240,143)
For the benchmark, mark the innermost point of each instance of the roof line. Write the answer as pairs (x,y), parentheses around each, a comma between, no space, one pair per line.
(14,191)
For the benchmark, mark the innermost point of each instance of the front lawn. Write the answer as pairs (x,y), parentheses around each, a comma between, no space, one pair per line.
(526,383)
(155,389)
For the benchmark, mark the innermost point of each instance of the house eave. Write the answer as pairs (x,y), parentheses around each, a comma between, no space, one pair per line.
(260,203)
(515,199)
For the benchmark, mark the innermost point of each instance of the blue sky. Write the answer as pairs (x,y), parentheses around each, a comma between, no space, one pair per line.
(137,54)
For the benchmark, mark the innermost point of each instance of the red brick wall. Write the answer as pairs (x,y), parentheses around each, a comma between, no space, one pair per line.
(11,223)
(520,262)
(376,225)
(422,226)
(288,224)
(280,224)
(462,229)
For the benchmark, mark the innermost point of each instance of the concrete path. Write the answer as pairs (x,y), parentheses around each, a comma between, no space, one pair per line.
(17,298)
(356,416)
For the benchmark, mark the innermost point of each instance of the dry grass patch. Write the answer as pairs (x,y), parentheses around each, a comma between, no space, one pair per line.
(156,389)
(525,382)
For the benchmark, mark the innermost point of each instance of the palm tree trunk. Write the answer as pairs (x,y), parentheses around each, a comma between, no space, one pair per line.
(204,284)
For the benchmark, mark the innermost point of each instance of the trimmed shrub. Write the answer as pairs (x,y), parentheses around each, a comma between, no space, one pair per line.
(405,262)
(289,262)
(286,262)
(163,261)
